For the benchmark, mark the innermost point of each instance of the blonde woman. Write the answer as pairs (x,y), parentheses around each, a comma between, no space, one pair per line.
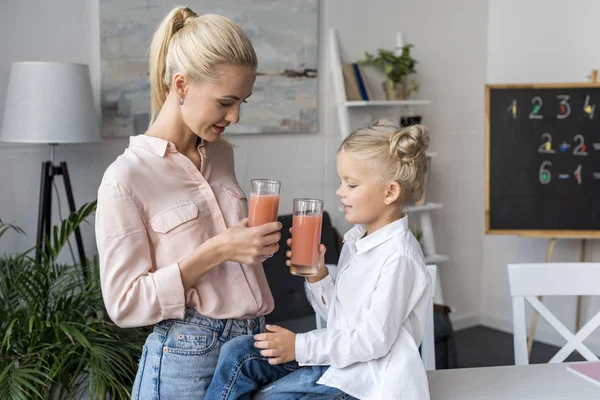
(175,250)
(375,307)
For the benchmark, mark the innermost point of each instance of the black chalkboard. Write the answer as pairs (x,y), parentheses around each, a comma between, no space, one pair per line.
(543,160)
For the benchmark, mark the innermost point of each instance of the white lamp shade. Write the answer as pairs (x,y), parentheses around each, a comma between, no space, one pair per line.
(49,102)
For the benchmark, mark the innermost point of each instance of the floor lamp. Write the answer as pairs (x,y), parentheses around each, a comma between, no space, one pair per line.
(50,103)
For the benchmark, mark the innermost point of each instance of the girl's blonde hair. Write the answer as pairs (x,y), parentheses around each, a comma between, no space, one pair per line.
(393,153)
(194,45)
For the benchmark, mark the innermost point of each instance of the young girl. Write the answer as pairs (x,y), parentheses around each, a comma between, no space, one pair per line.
(375,307)
(173,252)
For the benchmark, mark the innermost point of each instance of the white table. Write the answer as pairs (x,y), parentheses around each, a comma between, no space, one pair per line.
(523,382)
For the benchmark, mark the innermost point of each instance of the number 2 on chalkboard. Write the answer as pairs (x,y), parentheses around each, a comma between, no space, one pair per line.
(546,146)
(537,106)
(580,149)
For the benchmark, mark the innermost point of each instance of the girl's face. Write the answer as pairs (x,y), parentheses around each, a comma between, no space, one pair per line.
(361,193)
(209,108)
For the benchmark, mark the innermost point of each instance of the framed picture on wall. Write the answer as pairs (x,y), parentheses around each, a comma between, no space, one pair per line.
(284,35)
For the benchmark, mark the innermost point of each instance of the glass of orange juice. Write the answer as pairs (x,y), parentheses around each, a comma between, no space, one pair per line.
(264,201)
(307,221)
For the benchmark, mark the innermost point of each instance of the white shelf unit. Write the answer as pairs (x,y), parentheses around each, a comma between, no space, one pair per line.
(343,107)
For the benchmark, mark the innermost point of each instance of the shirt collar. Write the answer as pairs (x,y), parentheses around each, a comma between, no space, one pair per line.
(156,145)
(355,235)
(153,144)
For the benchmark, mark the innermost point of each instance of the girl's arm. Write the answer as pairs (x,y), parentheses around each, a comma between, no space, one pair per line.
(402,285)
(321,293)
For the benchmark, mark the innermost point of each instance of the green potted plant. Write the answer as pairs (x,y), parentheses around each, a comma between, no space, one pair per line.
(398,67)
(56,340)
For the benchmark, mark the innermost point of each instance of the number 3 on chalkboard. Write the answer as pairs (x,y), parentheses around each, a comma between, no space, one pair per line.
(537,106)
(544,175)
(564,107)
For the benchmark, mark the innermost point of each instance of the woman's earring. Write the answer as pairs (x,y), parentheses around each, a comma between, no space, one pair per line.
(181,101)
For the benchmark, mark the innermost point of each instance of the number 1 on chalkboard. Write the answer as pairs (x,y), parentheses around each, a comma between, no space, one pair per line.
(513,108)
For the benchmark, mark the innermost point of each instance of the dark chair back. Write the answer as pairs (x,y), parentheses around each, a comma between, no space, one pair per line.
(288,290)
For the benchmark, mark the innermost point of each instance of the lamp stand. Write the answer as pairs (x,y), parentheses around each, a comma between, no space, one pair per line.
(49,171)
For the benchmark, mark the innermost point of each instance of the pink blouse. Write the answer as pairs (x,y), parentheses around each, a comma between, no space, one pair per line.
(154,208)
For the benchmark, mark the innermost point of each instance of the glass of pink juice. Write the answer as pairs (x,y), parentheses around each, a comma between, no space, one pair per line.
(264,201)
(307,221)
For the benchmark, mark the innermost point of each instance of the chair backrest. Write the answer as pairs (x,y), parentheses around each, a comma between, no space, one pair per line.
(552,279)
(428,344)
(287,289)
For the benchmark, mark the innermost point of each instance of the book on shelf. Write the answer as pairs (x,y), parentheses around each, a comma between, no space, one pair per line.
(350,83)
(355,84)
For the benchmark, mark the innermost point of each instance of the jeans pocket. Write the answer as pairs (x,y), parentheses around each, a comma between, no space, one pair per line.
(190,339)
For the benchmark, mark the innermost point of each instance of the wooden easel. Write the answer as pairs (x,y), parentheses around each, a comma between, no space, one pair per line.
(593,79)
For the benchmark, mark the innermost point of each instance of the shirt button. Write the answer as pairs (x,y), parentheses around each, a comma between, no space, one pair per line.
(323,300)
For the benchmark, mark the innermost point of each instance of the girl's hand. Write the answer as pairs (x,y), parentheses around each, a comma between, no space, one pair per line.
(279,344)
(322,272)
(250,245)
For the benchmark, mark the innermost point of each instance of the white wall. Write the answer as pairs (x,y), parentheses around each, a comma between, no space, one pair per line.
(450,42)
(526,45)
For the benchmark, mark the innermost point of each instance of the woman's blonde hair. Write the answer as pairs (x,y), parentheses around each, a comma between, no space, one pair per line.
(393,153)
(194,45)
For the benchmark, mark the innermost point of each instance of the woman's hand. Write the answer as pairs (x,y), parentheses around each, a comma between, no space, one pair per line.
(250,245)
(238,243)
(322,272)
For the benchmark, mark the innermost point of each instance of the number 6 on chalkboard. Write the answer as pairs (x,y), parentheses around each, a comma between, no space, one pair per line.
(544,175)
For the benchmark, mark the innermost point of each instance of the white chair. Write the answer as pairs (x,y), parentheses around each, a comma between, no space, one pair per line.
(527,281)
(428,343)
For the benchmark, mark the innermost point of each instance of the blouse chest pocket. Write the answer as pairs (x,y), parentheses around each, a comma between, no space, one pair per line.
(238,200)
(171,218)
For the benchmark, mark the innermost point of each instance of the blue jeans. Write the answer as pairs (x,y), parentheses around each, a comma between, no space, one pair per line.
(180,356)
(242,373)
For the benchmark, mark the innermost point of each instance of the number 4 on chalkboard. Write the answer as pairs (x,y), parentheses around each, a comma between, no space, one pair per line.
(589,108)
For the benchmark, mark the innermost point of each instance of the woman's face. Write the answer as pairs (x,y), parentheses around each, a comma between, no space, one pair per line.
(209,108)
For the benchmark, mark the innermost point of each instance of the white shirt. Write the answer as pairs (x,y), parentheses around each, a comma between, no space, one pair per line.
(375,311)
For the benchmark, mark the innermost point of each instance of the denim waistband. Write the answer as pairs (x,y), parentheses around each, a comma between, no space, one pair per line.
(223,326)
